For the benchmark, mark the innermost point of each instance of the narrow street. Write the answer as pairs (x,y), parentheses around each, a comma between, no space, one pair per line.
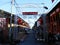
(30,40)
(30,22)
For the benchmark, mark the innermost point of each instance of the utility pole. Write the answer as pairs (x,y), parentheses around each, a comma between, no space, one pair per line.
(11,31)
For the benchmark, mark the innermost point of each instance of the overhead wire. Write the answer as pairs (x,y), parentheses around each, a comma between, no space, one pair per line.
(28,3)
(5,3)
(16,4)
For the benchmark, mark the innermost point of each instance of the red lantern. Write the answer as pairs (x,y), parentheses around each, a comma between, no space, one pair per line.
(41,21)
(54,13)
(19,21)
(58,10)
(51,15)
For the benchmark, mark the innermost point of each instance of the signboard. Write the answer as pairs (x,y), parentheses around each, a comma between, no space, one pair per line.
(29,13)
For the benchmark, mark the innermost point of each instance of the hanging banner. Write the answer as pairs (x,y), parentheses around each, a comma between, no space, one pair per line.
(30,13)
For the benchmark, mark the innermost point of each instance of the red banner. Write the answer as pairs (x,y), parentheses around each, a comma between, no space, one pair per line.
(29,13)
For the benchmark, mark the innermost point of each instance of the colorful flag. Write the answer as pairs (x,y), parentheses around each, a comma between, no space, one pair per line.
(45,7)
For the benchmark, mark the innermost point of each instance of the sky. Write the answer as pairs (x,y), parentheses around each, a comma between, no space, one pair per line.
(28,6)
